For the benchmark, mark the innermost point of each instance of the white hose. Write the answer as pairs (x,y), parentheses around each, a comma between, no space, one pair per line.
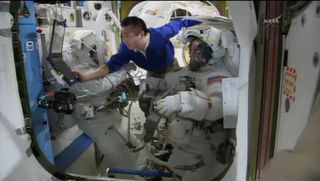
(100,26)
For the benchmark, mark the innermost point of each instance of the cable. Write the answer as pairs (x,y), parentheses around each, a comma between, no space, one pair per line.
(160,162)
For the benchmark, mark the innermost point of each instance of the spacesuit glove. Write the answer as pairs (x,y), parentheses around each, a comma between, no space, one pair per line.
(168,105)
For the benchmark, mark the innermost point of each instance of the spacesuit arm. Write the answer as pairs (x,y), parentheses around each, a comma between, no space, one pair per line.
(192,104)
(112,80)
(103,84)
(171,29)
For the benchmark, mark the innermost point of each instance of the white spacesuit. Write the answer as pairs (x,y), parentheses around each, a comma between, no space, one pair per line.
(192,101)
(97,107)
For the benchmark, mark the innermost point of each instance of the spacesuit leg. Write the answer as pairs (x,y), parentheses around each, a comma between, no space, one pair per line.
(103,129)
(196,151)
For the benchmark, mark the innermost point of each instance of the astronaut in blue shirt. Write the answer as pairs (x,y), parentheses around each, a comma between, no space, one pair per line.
(149,49)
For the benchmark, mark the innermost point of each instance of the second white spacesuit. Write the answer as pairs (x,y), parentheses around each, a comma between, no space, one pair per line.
(96,110)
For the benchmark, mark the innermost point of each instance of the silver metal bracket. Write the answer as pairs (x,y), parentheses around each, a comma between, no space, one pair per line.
(21,131)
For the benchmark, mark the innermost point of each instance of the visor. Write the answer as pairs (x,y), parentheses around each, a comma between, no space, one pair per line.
(196,53)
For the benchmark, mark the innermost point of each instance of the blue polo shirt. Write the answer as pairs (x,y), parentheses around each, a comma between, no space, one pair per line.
(159,53)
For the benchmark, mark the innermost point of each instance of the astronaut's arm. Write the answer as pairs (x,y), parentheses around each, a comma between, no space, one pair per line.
(172,28)
(97,73)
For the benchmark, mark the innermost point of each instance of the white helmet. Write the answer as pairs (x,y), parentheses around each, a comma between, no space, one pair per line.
(218,46)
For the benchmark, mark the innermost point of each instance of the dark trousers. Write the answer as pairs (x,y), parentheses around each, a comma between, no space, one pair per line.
(174,66)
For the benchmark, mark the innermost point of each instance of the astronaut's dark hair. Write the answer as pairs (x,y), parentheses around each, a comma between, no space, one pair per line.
(136,23)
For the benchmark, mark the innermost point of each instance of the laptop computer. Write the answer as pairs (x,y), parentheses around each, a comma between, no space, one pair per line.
(55,56)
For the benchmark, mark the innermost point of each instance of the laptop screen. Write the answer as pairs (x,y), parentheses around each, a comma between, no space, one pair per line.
(57,36)
(55,57)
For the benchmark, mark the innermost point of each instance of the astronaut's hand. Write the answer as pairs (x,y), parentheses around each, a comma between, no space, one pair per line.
(130,66)
(168,105)
(79,75)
